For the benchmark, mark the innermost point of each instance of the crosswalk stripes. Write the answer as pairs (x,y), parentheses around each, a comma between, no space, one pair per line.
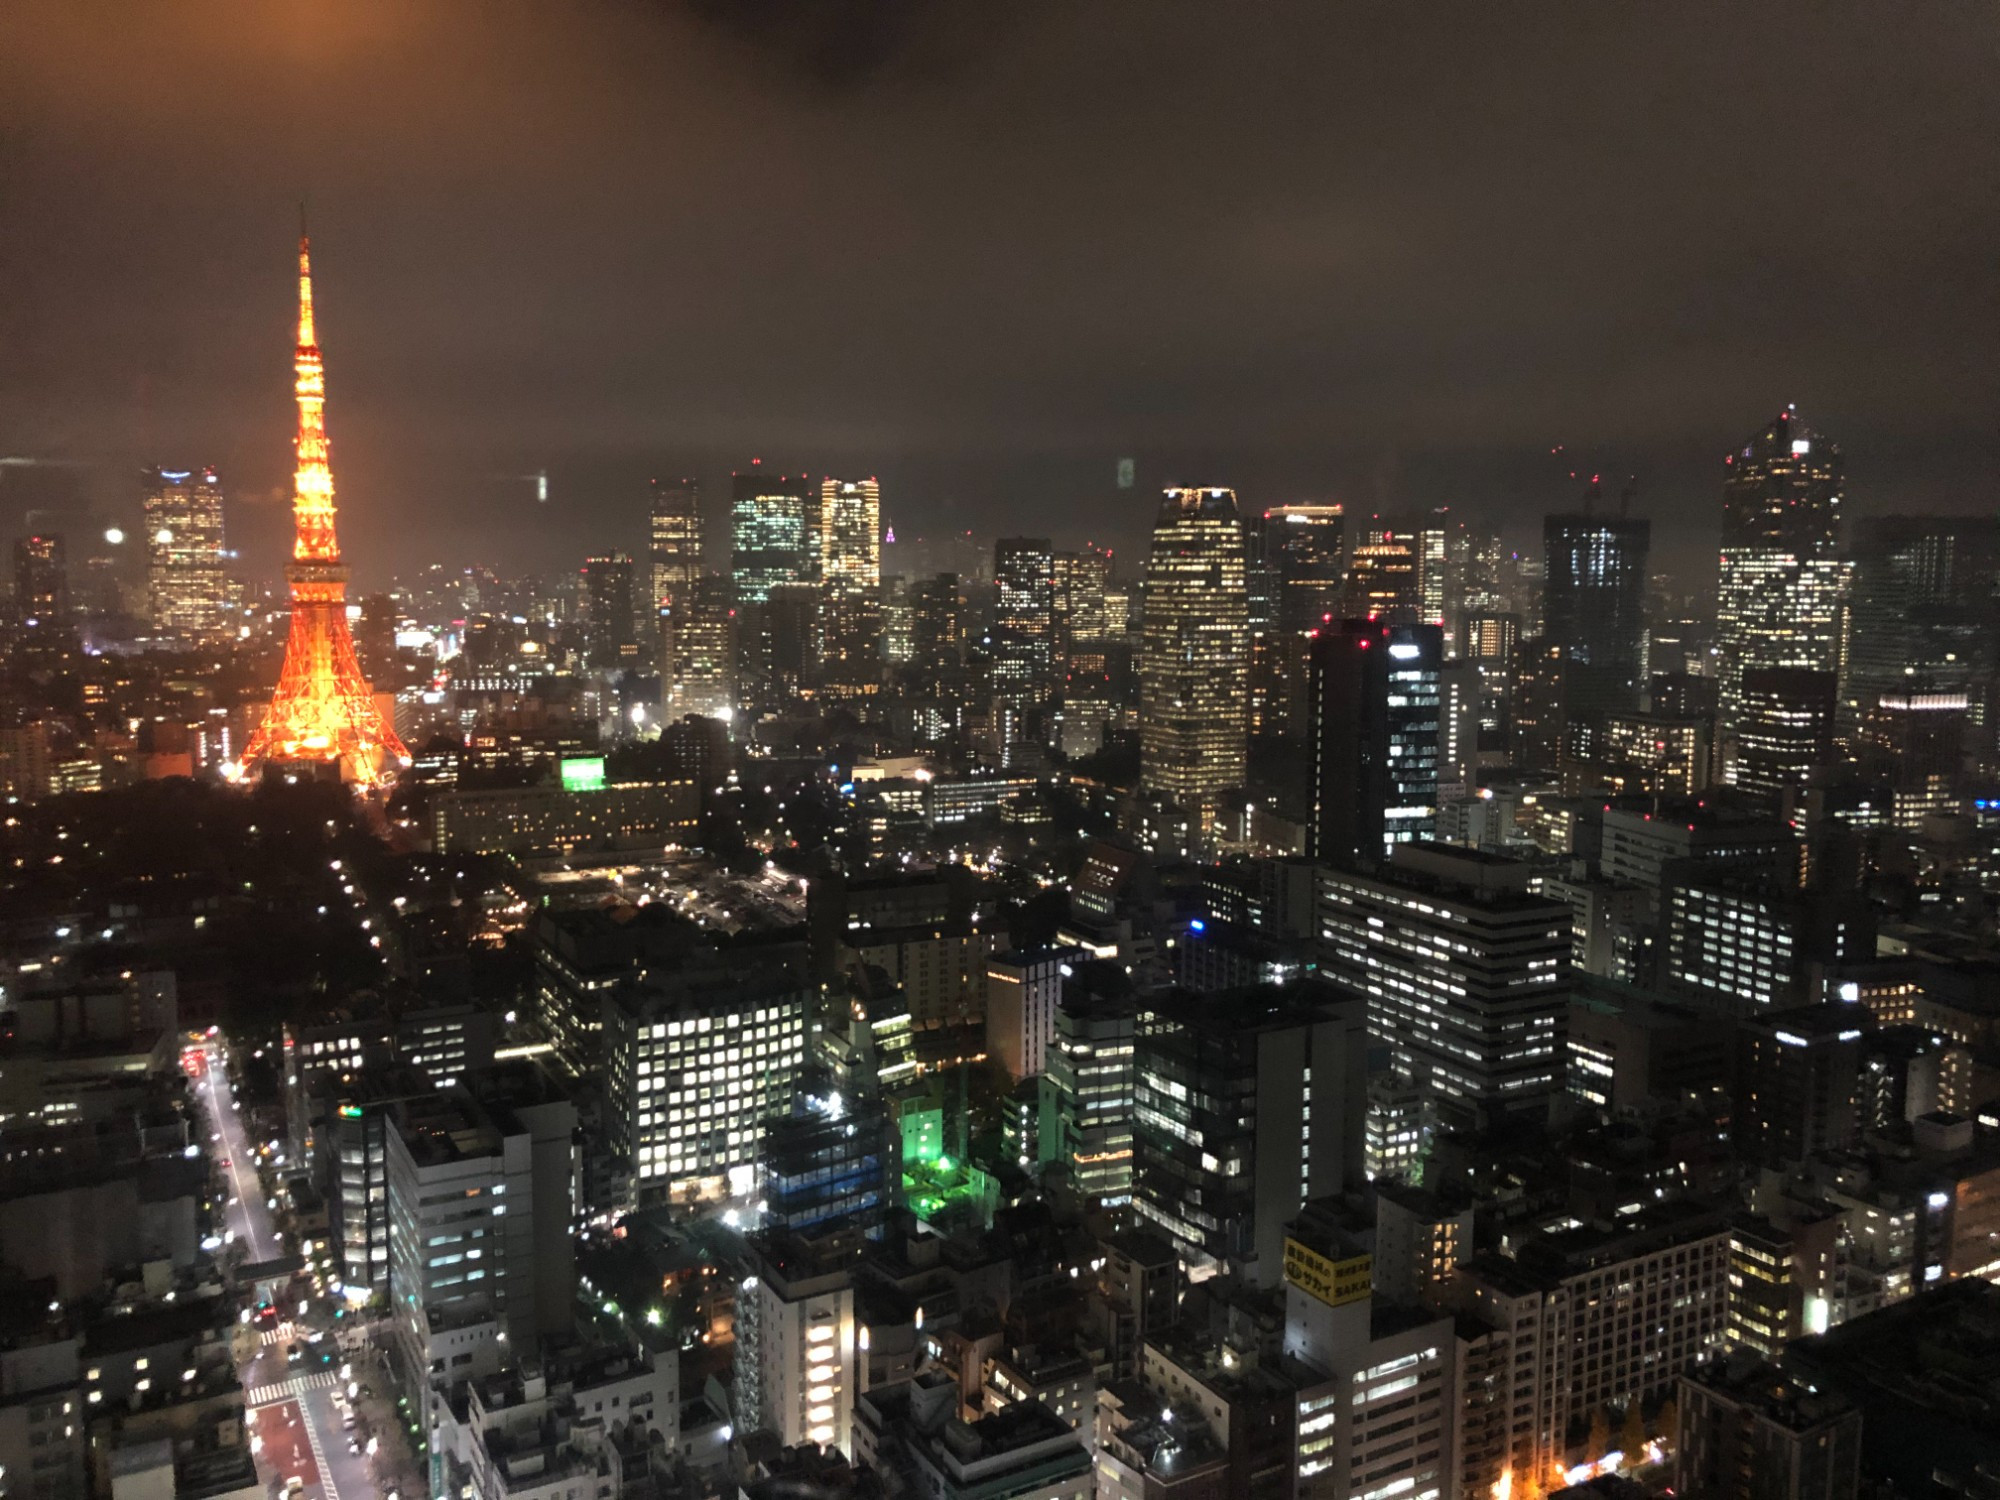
(298,1385)
(283,1333)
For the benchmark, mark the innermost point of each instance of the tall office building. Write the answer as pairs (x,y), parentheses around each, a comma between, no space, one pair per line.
(1783,584)
(1594,593)
(611,640)
(1429,544)
(674,548)
(1080,582)
(186,583)
(1246,1104)
(1466,976)
(850,512)
(1784,728)
(1374,731)
(41,578)
(1024,621)
(937,623)
(698,651)
(1925,616)
(1089,1087)
(1382,580)
(1798,1079)
(1915,742)
(772,532)
(1195,657)
(1308,546)
(697,1059)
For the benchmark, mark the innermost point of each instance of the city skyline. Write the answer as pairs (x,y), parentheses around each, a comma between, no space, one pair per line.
(734,946)
(479,362)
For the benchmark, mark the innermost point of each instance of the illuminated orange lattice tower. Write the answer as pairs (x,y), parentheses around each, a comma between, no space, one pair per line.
(323,712)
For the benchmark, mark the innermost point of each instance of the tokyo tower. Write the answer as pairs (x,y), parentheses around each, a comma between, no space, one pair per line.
(323,713)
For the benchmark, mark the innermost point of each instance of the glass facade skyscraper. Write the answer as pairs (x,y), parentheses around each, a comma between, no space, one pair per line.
(675,539)
(851,580)
(186,583)
(1594,591)
(770,533)
(1783,583)
(1195,652)
(1375,715)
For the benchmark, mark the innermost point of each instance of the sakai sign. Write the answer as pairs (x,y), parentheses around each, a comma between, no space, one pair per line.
(1334,1282)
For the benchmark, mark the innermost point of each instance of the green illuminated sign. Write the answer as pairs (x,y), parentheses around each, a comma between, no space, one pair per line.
(350,1111)
(583,773)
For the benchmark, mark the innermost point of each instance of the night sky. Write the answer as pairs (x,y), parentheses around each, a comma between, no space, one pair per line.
(1383,254)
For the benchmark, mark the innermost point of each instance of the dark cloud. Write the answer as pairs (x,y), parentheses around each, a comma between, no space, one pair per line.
(1386,253)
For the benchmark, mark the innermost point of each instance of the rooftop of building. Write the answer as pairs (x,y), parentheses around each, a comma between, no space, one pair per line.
(1253,1009)
(1812,1023)
(1926,1372)
(444,1128)
(1777,1397)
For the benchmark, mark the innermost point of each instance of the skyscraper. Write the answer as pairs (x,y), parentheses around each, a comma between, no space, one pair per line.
(611,641)
(771,534)
(1195,656)
(1784,728)
(1080,582)
(1382,580)
(1594,592)
(698,652)
(1023,620)
(41,579)
(1783,583)
(186,583)
(850,573)
(1308,546)
(676,539)
(1925,615)
(937,623)
(1375,708)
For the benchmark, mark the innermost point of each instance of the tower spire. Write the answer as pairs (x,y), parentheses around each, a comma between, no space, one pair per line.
(324,711)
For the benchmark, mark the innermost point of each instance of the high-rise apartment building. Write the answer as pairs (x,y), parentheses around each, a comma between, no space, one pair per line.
(187,583)
(772,533)
(1246,1104)
(1308,546)
(1195,657)
(1024,621)
(1374,732)
(850,570)
(1783,583)
(675,541)
(1466,976)
(797,1341)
